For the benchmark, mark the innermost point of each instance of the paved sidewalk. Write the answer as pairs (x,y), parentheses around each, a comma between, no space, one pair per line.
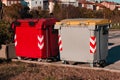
(115,66)
(114,50)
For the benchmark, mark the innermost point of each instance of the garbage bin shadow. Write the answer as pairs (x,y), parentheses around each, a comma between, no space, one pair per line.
(113,55)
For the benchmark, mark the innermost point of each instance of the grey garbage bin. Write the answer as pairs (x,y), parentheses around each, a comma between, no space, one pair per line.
(7,51)
(83,40)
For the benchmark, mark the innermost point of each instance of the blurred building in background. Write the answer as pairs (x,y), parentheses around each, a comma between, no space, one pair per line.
(44,4)
(10,2)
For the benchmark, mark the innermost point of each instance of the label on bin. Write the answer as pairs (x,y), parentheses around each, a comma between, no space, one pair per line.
(15,40)
(92,44)
(40,41)
(60,43)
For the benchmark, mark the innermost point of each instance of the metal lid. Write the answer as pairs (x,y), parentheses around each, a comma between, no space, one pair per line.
(37,23)
(83,22)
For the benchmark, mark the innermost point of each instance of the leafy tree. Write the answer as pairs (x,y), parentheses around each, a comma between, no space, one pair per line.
(5,34)
(58,12)
(24,12)
(10,13)
(39,13)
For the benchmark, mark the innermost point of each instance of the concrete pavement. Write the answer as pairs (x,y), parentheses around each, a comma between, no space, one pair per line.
(114,50)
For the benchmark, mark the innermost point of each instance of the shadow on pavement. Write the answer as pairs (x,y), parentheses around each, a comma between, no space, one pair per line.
(113,54)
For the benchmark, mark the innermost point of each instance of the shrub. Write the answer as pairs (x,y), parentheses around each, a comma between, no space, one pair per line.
(5,33)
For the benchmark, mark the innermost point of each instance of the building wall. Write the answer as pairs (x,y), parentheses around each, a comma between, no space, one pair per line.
(109,5)
(35,3)
(30,3)
(10,2)
(70,2)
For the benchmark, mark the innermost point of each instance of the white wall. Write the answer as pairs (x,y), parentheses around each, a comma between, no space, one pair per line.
(34,3)
(8,3)
(72,2)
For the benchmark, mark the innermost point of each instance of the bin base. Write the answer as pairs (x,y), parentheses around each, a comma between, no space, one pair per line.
(100,63)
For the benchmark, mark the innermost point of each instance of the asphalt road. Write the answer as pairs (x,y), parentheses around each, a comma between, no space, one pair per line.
(114,50)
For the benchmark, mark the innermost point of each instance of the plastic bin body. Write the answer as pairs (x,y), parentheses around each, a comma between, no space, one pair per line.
(76,37)
(34,38)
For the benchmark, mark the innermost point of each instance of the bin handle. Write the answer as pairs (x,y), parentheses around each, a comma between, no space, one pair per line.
(14,24)
(79,23)
(31,23)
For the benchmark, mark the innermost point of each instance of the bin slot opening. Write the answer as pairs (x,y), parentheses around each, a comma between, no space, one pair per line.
(17,23)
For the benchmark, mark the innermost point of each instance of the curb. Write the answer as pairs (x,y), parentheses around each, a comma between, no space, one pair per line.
(70,66)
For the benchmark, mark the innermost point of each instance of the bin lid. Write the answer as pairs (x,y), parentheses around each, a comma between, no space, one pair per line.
(38,23)
(83,22)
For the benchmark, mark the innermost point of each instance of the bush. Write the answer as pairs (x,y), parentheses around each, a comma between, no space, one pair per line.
(5,33)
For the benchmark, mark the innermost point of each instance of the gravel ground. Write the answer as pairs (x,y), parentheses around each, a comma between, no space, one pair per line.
(25,71)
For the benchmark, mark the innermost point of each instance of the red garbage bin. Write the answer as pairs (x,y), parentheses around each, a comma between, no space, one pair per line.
(36,38)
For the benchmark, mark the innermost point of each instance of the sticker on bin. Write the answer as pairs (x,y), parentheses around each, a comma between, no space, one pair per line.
(60,43)
(92,44)
(40,41)
(15,39)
